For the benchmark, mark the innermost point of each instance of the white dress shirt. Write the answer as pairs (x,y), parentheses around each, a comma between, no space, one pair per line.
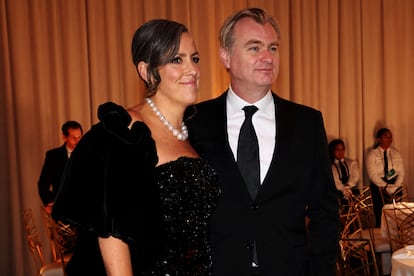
(263,122)
(353,170)
(375,167)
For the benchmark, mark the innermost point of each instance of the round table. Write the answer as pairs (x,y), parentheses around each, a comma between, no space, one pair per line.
(402,264)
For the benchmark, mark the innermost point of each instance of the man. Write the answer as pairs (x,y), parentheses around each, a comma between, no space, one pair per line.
(55,161)
(259,228)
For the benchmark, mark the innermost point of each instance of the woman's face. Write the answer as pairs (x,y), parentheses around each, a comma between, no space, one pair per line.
(385,140)
(180,77)
(339,152)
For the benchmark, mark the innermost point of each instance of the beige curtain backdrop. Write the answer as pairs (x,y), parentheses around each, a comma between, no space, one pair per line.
(60,59)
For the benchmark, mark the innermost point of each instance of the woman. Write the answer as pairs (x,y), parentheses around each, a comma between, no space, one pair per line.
(385,170)
(155,161)
(345,171)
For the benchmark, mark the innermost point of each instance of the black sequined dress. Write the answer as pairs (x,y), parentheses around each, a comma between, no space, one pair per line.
(189,191)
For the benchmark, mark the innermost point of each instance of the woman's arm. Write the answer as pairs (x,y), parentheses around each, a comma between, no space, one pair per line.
(116,256)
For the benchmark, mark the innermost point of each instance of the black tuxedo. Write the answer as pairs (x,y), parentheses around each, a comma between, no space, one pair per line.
(49,180)
(299,181)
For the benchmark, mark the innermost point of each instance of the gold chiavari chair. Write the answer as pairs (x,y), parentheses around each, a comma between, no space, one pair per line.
(363,204)
(400,224)
(35,247)
(399,195)
(62,238)
(356,253)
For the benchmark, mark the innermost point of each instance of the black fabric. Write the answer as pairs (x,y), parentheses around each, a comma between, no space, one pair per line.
(108,189)
(299,176)
(248,152)
(344,172)
(51,174)
(189,190)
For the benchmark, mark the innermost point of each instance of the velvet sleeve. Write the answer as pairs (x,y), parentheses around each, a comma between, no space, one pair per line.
(107,186)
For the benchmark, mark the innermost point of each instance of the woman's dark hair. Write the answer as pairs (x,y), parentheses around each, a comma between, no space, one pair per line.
(379,134)
(332,145)
(156,43)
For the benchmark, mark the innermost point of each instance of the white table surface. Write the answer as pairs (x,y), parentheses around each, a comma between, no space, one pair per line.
(398,205)
(402,264)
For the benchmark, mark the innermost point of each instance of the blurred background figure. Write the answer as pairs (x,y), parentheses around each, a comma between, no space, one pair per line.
(55,161)
(345,171)
(385,171)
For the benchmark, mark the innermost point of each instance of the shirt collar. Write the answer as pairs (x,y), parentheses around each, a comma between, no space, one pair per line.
(382,150)
(235,104)
(337,160)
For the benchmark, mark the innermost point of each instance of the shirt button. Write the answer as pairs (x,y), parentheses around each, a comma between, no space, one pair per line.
(254,206)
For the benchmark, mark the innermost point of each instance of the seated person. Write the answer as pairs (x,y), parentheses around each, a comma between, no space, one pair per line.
(385,171)
(345,171)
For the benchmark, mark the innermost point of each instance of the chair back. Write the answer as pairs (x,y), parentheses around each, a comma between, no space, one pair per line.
(32,238)
(399,195)
(399,218)
(35,247)
(62,238)
(357,254)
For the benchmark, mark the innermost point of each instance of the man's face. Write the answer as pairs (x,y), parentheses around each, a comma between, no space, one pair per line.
(253,60)
(75,134)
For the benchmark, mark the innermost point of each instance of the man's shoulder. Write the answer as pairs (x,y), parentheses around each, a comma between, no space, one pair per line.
(57,150)
(292,106)
(213,102)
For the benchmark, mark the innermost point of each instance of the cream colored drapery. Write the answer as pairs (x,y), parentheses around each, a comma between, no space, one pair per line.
(351,59)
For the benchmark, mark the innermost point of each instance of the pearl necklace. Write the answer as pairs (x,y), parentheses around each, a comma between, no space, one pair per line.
(181,135)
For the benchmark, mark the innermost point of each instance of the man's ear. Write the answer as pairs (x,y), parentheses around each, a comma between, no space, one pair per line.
(224,57)
(142,70)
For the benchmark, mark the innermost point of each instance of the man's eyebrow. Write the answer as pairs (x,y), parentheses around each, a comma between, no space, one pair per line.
(256,41)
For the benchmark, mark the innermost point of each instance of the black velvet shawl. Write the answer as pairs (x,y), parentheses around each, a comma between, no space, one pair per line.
(107,186)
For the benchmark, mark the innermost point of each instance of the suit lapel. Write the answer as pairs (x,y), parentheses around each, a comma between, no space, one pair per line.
(227,163)
(282,136)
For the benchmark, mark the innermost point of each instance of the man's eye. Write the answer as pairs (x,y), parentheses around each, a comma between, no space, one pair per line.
(254,48)
(273,49)
(176,60)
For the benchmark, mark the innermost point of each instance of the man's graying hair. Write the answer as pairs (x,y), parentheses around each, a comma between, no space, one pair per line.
(227,29)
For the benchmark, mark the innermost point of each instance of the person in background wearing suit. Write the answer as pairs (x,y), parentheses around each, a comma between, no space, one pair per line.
(258,226)
(55,161)
(345,170)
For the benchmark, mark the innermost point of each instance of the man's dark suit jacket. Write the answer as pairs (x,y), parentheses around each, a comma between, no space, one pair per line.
(298,182)
(49,180)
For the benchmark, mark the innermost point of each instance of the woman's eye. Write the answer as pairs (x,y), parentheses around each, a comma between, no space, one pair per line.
(196,59)
(176,60)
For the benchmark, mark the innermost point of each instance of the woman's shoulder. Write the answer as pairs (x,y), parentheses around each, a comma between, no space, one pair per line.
(111,115)
(351,161)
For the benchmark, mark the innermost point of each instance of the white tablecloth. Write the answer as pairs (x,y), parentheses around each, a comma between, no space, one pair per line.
(398,206)
(402,264)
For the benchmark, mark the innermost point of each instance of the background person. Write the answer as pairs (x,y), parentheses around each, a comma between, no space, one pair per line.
(55,161)
(385,171)
(258,227)
(345,170)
